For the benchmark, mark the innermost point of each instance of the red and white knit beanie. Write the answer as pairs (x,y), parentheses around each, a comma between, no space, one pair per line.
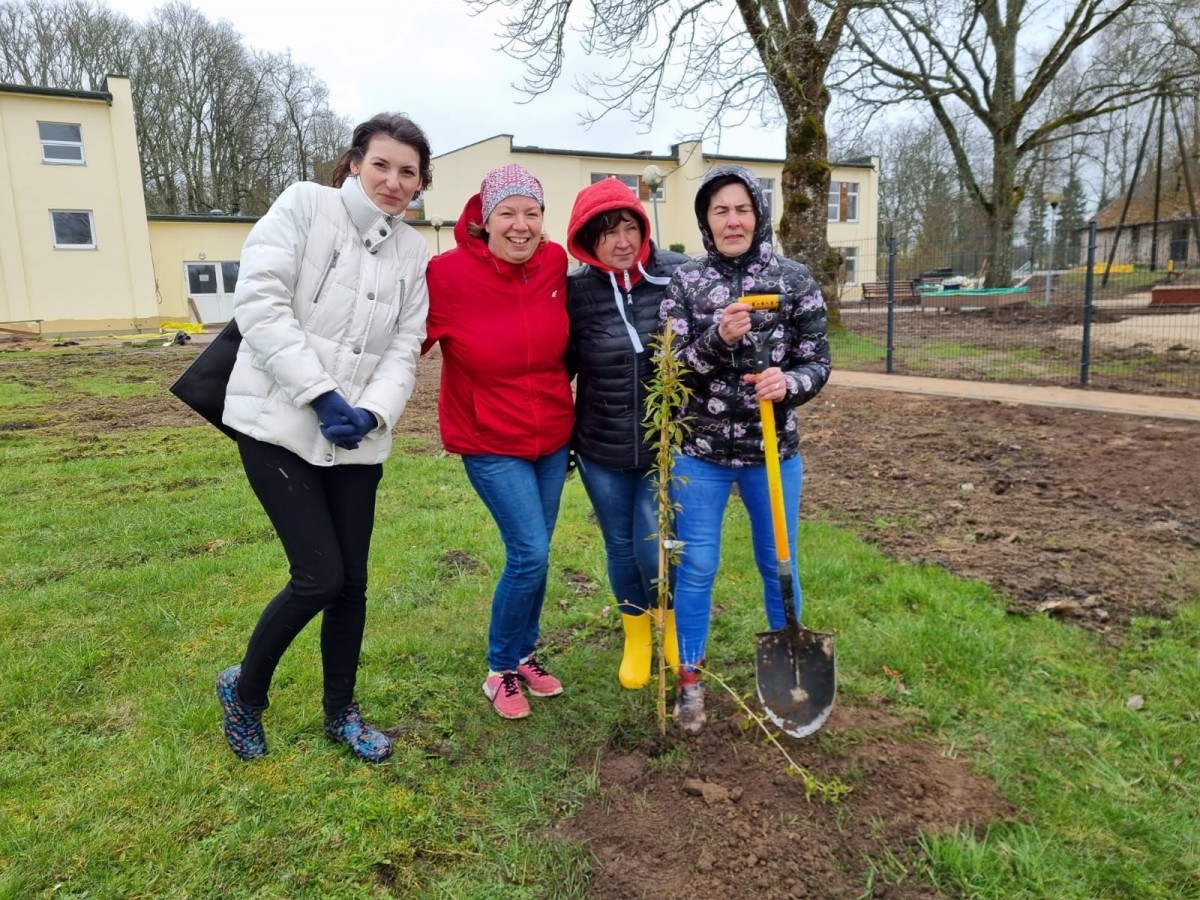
(509,181)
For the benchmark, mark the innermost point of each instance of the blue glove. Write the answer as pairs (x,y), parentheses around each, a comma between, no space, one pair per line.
(337,417)
(364,422)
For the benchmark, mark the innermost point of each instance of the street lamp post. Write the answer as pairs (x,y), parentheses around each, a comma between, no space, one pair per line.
(653,177)
(1053,199)
(437,222)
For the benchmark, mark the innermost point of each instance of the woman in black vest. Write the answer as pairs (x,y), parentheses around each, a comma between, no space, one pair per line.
(613,300)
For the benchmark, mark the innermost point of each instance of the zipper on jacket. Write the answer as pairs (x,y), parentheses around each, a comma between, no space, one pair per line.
(325,275)
(400,305)
(631,316)
(739,357)
(638,439)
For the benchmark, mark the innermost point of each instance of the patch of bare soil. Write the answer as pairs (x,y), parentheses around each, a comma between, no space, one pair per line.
(1087,516)
(735,824)
(1080,514)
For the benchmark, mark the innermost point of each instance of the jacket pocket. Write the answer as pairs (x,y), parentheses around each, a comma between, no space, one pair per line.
(316,297)
(333,258)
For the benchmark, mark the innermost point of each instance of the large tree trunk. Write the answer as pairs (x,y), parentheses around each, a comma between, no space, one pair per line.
(1005,202)
(803,227)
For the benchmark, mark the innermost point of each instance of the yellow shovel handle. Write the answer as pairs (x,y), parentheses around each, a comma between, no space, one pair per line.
(774,481)
(771,445)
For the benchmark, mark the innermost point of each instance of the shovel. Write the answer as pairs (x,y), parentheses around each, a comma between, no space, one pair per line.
(794,667)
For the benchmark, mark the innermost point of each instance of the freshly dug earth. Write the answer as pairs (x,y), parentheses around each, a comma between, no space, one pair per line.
(1086,516)
(1065,513)
(1080,514)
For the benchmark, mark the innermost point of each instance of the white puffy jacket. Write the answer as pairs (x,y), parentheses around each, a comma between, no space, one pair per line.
(330,296)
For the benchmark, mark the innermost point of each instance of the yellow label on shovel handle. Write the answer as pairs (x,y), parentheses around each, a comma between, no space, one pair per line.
(761,301)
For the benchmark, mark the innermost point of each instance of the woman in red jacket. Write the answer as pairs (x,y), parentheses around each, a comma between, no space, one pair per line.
(497,306)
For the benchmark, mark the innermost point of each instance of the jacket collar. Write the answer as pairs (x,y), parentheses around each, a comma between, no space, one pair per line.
(374,226)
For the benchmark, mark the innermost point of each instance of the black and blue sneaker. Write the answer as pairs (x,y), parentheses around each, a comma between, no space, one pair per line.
(243,724)
(367,743)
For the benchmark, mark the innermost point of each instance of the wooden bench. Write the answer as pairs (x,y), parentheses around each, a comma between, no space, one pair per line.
(907,293)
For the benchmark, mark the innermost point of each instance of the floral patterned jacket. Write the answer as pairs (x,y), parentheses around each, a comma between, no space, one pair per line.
(723,419)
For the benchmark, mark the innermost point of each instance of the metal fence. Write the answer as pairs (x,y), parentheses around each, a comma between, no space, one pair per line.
(1137,330)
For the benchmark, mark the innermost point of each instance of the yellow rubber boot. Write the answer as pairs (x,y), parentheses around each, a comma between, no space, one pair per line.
(635,664)
(670,639)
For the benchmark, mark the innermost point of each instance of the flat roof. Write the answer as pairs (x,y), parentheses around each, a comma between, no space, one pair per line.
(198,217)
(863,162)
(67,93)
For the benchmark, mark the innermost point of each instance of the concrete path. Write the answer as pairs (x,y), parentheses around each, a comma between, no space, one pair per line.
(1067,398)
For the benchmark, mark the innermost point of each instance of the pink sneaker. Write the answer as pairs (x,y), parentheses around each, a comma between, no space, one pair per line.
(504,690)
(540,682)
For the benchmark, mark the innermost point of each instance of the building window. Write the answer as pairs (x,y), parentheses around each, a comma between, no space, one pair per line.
(73,229)
(635,184)
(767,185)
(202,279)
(229,275)
(843,201)
(848,265)
(62,144)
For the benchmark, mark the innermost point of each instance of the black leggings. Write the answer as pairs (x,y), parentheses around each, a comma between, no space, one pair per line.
(323,516)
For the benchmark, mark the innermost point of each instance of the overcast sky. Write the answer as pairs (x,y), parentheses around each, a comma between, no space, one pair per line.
(434,61)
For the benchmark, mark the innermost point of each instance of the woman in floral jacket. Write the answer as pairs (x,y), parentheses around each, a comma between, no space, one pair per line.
(723,445)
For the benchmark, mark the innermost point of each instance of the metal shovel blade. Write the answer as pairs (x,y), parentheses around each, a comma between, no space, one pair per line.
(797,678)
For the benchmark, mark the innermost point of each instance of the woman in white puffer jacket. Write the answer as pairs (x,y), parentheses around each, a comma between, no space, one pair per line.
(331,302)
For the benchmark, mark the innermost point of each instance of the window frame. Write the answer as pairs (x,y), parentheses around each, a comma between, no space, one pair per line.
(851,265)
(53,142)
(91,220)
(851,201)
(841,204)
(225,269)
(766,187)
(639,188)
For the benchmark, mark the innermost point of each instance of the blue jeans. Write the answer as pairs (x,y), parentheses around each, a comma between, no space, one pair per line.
(523,497)
(702,491)
(626,506)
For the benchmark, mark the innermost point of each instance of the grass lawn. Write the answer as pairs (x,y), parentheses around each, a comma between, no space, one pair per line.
(134,564)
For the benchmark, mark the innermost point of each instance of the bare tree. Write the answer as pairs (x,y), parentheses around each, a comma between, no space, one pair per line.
(75,44)
(916,179)
(218,125)
(979,66)
(314,136)
(728,62)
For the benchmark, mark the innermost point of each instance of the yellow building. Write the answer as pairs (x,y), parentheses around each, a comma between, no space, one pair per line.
(196,264)
(853,201)
(74,245)
(78,252)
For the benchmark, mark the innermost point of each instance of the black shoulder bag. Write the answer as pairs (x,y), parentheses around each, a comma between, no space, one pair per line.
(202,384)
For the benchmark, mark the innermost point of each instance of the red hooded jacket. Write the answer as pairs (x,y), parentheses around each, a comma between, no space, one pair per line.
(503,332)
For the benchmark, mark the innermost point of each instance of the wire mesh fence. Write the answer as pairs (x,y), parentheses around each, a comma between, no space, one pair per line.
(927,312)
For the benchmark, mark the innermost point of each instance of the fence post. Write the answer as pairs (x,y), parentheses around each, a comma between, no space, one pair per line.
(1089,287)
(891,300)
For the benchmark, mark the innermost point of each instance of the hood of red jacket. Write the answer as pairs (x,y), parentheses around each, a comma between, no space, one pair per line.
(606,194)
(472,212)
